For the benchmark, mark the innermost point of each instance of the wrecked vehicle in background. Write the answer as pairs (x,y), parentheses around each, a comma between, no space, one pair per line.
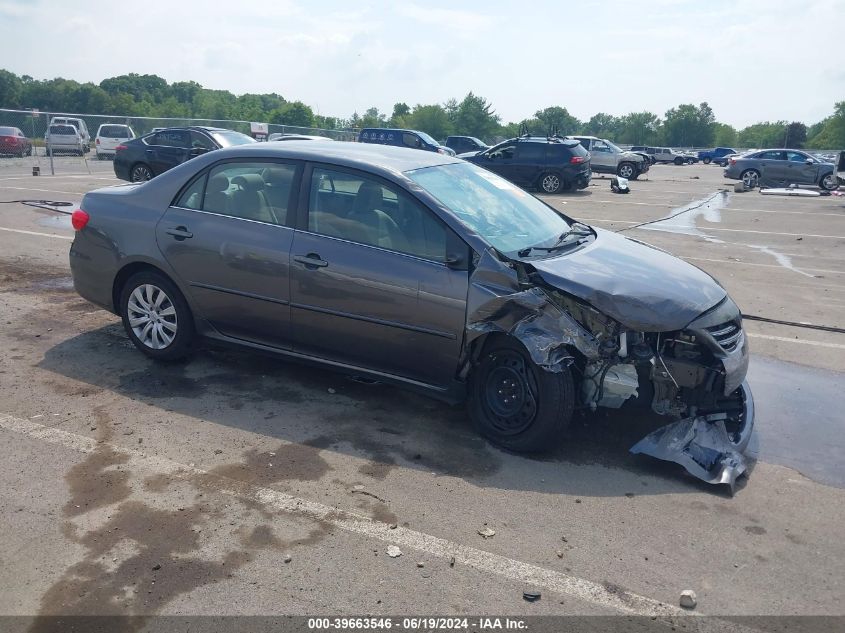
(422,270)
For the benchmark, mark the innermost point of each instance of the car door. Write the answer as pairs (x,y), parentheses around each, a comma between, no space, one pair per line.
(772,166)
(798,170)
(167,149)
(228,237)
(529,163)
(370,286)
(500,159)
(601,155)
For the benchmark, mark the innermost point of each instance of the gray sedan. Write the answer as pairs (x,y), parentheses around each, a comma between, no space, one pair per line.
(780,167)
(423,270)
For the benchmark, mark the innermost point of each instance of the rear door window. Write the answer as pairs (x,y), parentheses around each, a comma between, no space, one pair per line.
(258,191)
(771,155)
(411,140)
(531,152)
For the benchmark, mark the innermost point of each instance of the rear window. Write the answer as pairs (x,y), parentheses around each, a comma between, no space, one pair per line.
(229,138)
(114,131)
(62,129)
(8,131)
(529,151)
(557,152)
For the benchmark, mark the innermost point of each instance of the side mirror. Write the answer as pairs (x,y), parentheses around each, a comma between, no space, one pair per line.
(197,151)
(808,161)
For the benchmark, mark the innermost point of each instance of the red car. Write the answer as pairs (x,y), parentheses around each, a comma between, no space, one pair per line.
(13,141)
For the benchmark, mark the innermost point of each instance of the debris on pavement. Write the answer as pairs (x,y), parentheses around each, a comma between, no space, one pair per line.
(531,595)
(700,444)
(688,600)
(288,558)
(559,553)
(393,551)
(420,564)
(157,566)
(487,532)
(619,185)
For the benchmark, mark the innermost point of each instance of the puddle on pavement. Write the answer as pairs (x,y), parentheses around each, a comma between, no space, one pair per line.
(55,221)
(682,220)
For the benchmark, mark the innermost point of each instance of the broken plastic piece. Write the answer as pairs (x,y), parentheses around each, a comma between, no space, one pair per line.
(701,445)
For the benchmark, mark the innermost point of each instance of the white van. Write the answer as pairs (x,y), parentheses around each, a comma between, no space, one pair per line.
(109,136)
(79,124)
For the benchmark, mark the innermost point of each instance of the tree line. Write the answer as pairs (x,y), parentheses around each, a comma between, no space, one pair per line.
(686,125)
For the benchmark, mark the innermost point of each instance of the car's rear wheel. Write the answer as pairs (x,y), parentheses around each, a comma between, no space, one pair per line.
(679,161)
(829,182)
(705,160)
(156,316)
(140,173)
(516,404)
(551,183)
(626,170)
(750,178)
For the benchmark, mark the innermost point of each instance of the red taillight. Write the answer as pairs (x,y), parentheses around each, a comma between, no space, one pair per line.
(577,160)
(79,219)
(732,161)
(119,148)
(98,141)
(10,139)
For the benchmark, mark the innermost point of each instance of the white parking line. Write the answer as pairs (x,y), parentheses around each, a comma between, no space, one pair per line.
(730,261)
(70,193)
(663,204)
(21,231)
(802,341)
(486,562)
(710,228)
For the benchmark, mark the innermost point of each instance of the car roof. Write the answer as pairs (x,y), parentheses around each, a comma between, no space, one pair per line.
(370,156)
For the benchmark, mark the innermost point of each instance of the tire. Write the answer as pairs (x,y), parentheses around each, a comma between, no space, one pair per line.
(140,172)
(551,182)
(165,332)
(626,170)
(679,161)
(535,408)
(706,160)
(750,178)
(829,182)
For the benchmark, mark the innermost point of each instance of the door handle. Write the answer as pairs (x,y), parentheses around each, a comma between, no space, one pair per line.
(179,232)
(311,260)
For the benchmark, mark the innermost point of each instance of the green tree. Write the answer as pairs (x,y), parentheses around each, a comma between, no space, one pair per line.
(557,119)
(373,118)
(474,116)
(764,134)
(400,114)
(831,134)
(11,90)
(431,119)
(639,128)
(602,125)
(725,136)
(689,126)
(293,113)
(796,135)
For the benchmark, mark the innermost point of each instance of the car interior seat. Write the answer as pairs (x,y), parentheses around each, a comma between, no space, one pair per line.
(278,182)
(249,200)
(217,194)
(380,229)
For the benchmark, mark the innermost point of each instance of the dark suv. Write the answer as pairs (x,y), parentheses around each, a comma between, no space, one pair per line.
(464,144)
(550,164)
(148,156)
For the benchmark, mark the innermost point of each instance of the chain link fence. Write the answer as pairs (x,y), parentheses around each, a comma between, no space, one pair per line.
(31,146)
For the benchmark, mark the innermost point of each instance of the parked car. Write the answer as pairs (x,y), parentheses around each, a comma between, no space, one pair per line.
(64,139)
(109,136)
(607,158)
(148,156)
(464,144)
(15,142)
(716,155)
(422,270)
(549,164)
(403,138)
(277,136)
(665,155)
(79,124)
(643,151)
(780,167)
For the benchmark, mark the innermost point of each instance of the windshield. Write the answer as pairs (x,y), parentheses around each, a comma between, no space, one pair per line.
(612,146)
(427,138)
(504,215)
(228,138)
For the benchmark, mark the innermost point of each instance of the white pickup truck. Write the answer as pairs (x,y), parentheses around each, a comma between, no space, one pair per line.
(607,158)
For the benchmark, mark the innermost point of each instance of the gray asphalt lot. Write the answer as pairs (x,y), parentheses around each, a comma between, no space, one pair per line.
(219,468)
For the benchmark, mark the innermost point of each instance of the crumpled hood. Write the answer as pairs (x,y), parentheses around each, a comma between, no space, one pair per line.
(642,287)
(632,156)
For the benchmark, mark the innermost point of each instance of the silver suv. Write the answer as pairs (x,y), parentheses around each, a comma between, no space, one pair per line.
(607,158)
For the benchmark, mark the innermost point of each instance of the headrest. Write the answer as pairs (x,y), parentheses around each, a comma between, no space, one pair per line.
(218,182)
(249,182)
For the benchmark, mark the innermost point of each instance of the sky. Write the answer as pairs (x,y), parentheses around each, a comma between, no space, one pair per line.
(751,60)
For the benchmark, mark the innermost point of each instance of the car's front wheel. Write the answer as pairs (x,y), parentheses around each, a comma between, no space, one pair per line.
(516,404)
(156,316)
(679,161)
(140,173)
(829,182)
(750,178)
(551,183)
(626,170)
(705,160)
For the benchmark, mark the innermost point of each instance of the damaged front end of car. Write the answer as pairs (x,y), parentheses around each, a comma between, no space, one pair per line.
(693,371)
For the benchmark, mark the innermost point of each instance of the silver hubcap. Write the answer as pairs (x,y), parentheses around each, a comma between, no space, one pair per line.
(152,316)
(551,182)
(828,182)
(750,178)
(625,171)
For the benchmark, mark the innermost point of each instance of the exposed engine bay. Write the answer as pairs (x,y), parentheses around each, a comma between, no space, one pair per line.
(695,375)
